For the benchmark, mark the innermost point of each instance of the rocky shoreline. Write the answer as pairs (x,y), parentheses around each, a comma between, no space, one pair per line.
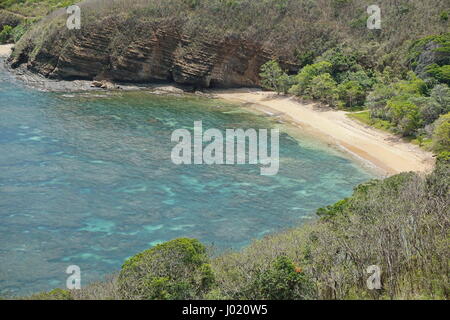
(41,83)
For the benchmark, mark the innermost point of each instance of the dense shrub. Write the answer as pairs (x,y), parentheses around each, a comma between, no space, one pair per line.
(19,31)
(177,269)
(106,289)
(9,18)
(409,104)
(6,34)
(351,93)
(341,61)
(274,78)
(361,77)
(441,95)
(285,83)
(412,86)
(298,31)
(324,89)
(405,115)
(441,135)
(440,73)
(303,79)
(400,224)
(21,14)
(34,8)
(443,158)
(377,100)
(283,281)
(332,211)
(56,294)
(386,220)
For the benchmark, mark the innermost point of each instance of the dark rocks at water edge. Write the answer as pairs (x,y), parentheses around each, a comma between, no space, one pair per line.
(40,82)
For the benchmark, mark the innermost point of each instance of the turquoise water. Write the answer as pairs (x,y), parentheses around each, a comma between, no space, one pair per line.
(86,179)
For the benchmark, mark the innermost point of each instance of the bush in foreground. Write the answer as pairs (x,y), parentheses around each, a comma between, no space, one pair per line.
(56,294)
(175,270)
(283,281)
(399,224)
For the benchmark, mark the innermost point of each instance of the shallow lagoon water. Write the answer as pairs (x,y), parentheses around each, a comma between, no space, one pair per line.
(86,179)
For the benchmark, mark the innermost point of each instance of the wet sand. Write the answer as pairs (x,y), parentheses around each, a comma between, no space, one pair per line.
(387,152)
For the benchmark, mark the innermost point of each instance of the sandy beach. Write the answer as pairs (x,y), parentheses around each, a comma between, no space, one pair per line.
(387,152)
(5,50)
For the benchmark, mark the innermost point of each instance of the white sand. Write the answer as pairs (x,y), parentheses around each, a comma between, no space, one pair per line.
(388,153)
(5,50)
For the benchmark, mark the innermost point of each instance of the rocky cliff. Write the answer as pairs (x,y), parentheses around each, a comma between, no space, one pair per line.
(152,53)
(220,43)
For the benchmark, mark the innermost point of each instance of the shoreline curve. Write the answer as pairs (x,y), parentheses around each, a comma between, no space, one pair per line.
(388,153)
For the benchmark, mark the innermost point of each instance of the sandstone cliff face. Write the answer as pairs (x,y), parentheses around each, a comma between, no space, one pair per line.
(163,53)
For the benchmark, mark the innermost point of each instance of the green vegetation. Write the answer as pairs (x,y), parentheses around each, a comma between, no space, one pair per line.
(364,117)
(56,294)
(274,78)
(34,8)
(429,56)
(441,135)
(301,84)
(6,34)
(407,104)
(19,15)
(323,88)
(351,93)
(282,281)
(178,269)
(299,31)
(400,224)
(440,73)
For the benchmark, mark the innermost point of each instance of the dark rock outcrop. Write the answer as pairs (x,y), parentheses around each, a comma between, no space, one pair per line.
(162,53)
